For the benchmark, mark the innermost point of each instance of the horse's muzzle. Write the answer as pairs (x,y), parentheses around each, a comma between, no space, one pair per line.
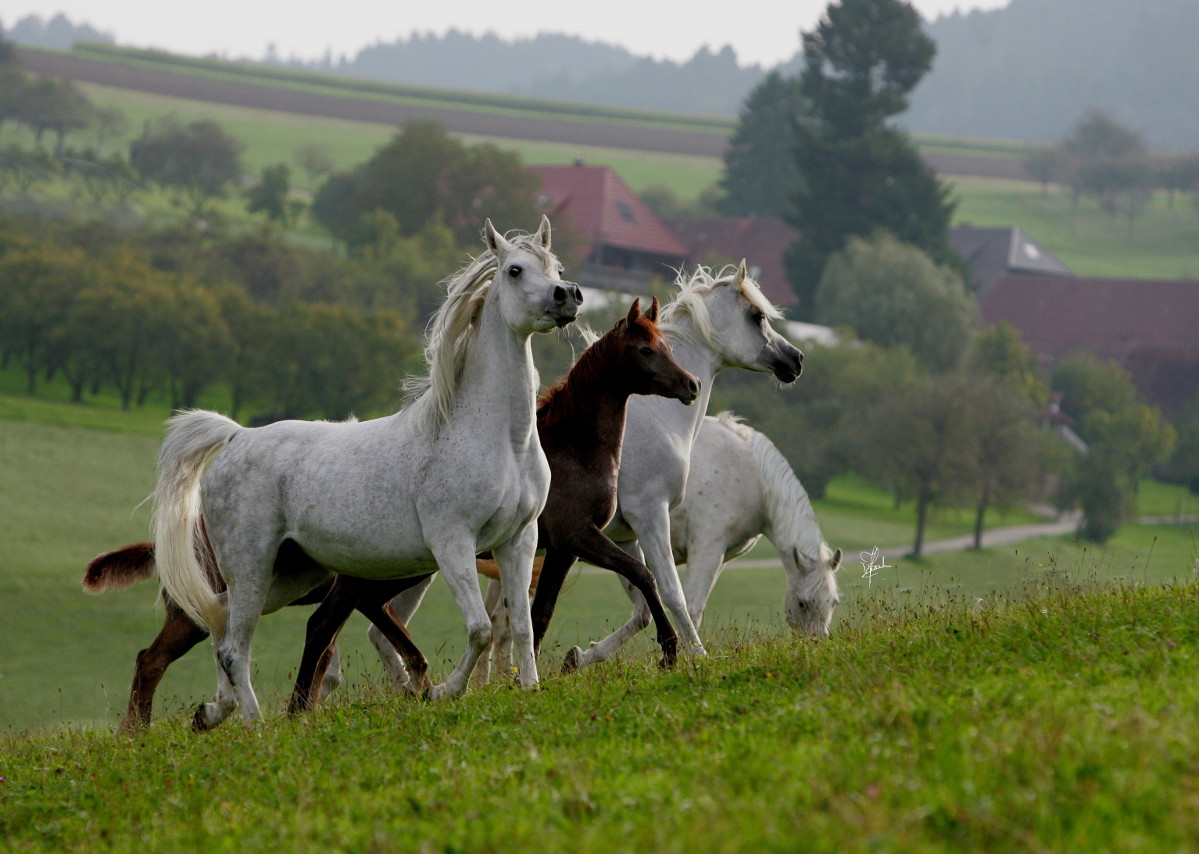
(567,297)
(788,363)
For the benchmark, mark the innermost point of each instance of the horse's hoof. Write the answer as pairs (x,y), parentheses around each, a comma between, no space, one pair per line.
(201,722)
(439,693)
(572,661)
(419,687)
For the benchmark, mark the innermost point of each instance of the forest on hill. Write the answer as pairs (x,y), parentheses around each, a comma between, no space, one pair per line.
(1025,72)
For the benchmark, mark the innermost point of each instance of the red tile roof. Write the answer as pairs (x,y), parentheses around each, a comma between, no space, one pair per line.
(604,210)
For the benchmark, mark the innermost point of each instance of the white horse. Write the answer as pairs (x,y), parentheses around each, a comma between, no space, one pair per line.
(715,322)
(740,488)
(457,471)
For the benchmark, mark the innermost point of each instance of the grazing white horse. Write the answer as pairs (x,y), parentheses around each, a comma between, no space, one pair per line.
(458,471)
(740,488)
(716,322)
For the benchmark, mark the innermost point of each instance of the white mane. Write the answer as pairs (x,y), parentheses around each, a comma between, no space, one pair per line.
(787,502)
(690,300)
(450,332)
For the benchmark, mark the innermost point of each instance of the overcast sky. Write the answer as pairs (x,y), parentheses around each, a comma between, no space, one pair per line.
(763,31)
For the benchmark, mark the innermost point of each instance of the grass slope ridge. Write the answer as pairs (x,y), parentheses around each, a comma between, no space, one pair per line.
(1062,718)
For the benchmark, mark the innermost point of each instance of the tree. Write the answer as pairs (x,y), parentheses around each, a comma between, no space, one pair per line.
(55,104)
(423,175)
(861,62)
(760,171)
(1109,162)
(199,160)
(921,444)
(857,174)
(270,194)
(892,294)
(315,160)
(1047,165)
(1125,439)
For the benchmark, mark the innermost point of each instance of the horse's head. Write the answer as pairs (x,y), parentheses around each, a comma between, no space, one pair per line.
(740,318)
(528,283)
(812,593)
(645,360)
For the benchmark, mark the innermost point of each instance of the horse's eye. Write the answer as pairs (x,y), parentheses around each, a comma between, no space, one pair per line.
(515,270)
(803,606)
(757,316)
(646,351)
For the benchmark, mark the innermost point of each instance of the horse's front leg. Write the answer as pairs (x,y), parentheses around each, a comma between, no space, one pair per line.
(456,560)
(653,535)
(516,575)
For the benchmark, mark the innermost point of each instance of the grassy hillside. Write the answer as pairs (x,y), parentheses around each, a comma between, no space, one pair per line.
(1061,719)
(72,479)
(1160,244)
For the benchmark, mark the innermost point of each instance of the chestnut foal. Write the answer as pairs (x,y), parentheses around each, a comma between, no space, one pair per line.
(580,422)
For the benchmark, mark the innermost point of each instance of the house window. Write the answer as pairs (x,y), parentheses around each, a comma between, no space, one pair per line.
(626,212)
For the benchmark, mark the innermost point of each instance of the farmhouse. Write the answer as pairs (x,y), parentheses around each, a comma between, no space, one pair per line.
(622,244)
(1148,327)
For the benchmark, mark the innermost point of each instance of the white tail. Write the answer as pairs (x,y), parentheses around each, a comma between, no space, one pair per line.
(193,439)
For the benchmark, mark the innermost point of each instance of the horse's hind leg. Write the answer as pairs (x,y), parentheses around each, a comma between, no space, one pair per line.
(177,636)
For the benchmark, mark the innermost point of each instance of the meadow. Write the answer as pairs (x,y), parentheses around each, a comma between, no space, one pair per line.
(1160,243)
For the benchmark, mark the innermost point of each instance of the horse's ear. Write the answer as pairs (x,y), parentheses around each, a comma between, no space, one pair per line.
(836,561)
(544,232)
(495,241)
(742,273)
(652,314)
(634,312)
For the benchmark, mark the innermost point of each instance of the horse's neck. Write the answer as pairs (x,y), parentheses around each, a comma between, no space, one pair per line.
(692,355)
(499,383)
(596,417)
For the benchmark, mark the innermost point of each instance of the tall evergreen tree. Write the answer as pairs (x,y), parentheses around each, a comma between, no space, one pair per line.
(857,174)
(760,172)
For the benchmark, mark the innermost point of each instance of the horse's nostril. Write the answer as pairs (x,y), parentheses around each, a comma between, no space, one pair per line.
(578,295)
(559,293)
(693,385)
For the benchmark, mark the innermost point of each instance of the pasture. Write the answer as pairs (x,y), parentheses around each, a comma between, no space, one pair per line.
(1159,244)
(73,478)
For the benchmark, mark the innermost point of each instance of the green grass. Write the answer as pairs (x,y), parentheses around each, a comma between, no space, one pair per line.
(1058,718)
(72,477)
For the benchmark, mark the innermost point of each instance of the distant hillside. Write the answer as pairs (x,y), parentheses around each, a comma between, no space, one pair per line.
(558,66)
(1029,71)
(1026,72)
(57,33)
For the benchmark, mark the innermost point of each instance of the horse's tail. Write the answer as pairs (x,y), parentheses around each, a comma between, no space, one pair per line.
(193,439)
(118,569)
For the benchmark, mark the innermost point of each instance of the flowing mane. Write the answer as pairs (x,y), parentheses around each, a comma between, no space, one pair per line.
(693,289)
(450,332)
(788,504)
